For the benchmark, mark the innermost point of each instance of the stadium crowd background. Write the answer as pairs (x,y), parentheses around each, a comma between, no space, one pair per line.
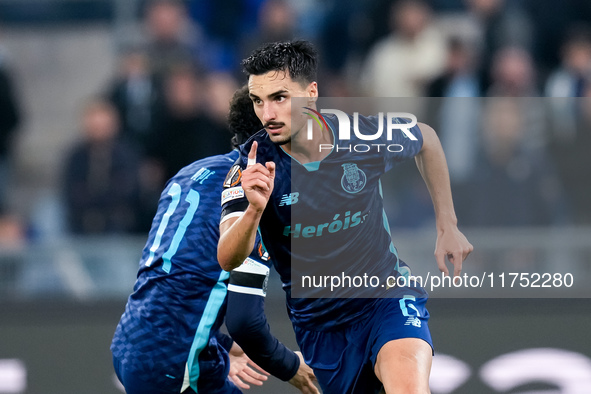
(102,101)
(172,66)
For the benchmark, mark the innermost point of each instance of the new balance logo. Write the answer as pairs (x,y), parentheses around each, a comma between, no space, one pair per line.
(289,199)
(415,321)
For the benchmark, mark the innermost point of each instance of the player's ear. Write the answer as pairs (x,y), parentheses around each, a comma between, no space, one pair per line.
(312,90)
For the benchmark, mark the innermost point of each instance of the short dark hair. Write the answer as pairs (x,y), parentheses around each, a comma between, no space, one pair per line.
(242,120)
(298,58)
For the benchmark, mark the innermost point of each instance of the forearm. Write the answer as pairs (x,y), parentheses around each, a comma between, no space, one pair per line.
(237,238)
(248,326)
(433,168)
(451,243)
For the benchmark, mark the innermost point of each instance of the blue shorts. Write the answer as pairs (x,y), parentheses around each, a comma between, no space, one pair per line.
(213,366)
(343,360)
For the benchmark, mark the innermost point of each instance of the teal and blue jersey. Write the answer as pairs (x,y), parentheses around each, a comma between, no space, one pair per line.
(327,218)
(169,333)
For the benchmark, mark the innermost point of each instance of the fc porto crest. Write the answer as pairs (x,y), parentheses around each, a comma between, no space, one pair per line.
(353,180)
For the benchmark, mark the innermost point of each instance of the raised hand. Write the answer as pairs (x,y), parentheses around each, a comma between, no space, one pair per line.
(258,180)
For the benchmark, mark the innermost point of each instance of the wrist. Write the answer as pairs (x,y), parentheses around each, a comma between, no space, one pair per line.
(254,211)
(446,220)
(295,367)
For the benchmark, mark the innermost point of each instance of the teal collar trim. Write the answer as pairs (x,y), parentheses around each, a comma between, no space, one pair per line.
(314,165)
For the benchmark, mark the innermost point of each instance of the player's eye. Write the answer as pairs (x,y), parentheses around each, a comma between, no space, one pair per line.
(280,99)
(257,101)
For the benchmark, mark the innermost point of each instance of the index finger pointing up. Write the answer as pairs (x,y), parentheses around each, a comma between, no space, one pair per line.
(252,155)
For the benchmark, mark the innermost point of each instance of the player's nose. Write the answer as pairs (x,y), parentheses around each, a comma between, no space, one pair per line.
(268,113)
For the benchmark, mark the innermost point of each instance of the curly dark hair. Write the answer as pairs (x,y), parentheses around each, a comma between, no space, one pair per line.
(242,120)
(299,58)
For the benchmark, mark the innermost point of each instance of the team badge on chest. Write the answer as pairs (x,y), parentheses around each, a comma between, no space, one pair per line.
(353,180)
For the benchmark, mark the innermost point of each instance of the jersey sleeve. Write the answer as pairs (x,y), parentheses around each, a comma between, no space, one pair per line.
(252,275)
(234,201)
(399,144)
(250,278)
(246,320)
(224,340)
(406,142)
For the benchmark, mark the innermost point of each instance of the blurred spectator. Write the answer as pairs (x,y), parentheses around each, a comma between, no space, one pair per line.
(459,77)
(503,24)
(186,133)
(344,36)
(575,66)
(226,23)
(136,95)
(571,118)
(551,21)
(12,232)
(374,9)
(100,180)
(513,74)
(414,53)
(571,153)
(381,24)
(172,38)
(220,88)
(511,186)
(9,120)
(13,243)
(344,26)
(455,116)
(276,22)
(568,81)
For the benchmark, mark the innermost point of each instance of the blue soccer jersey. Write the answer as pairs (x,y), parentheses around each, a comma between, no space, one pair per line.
(327,218)
(167,333)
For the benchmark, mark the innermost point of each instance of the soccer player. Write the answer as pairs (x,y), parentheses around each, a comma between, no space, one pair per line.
(354,345)
(168,339)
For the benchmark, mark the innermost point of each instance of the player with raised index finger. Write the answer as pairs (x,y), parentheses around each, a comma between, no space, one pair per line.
(317,208)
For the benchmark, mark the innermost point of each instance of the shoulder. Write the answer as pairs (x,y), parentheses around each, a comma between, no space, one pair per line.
(425,128)
(424,132)
(266,148)
(209,168)
(261,137)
